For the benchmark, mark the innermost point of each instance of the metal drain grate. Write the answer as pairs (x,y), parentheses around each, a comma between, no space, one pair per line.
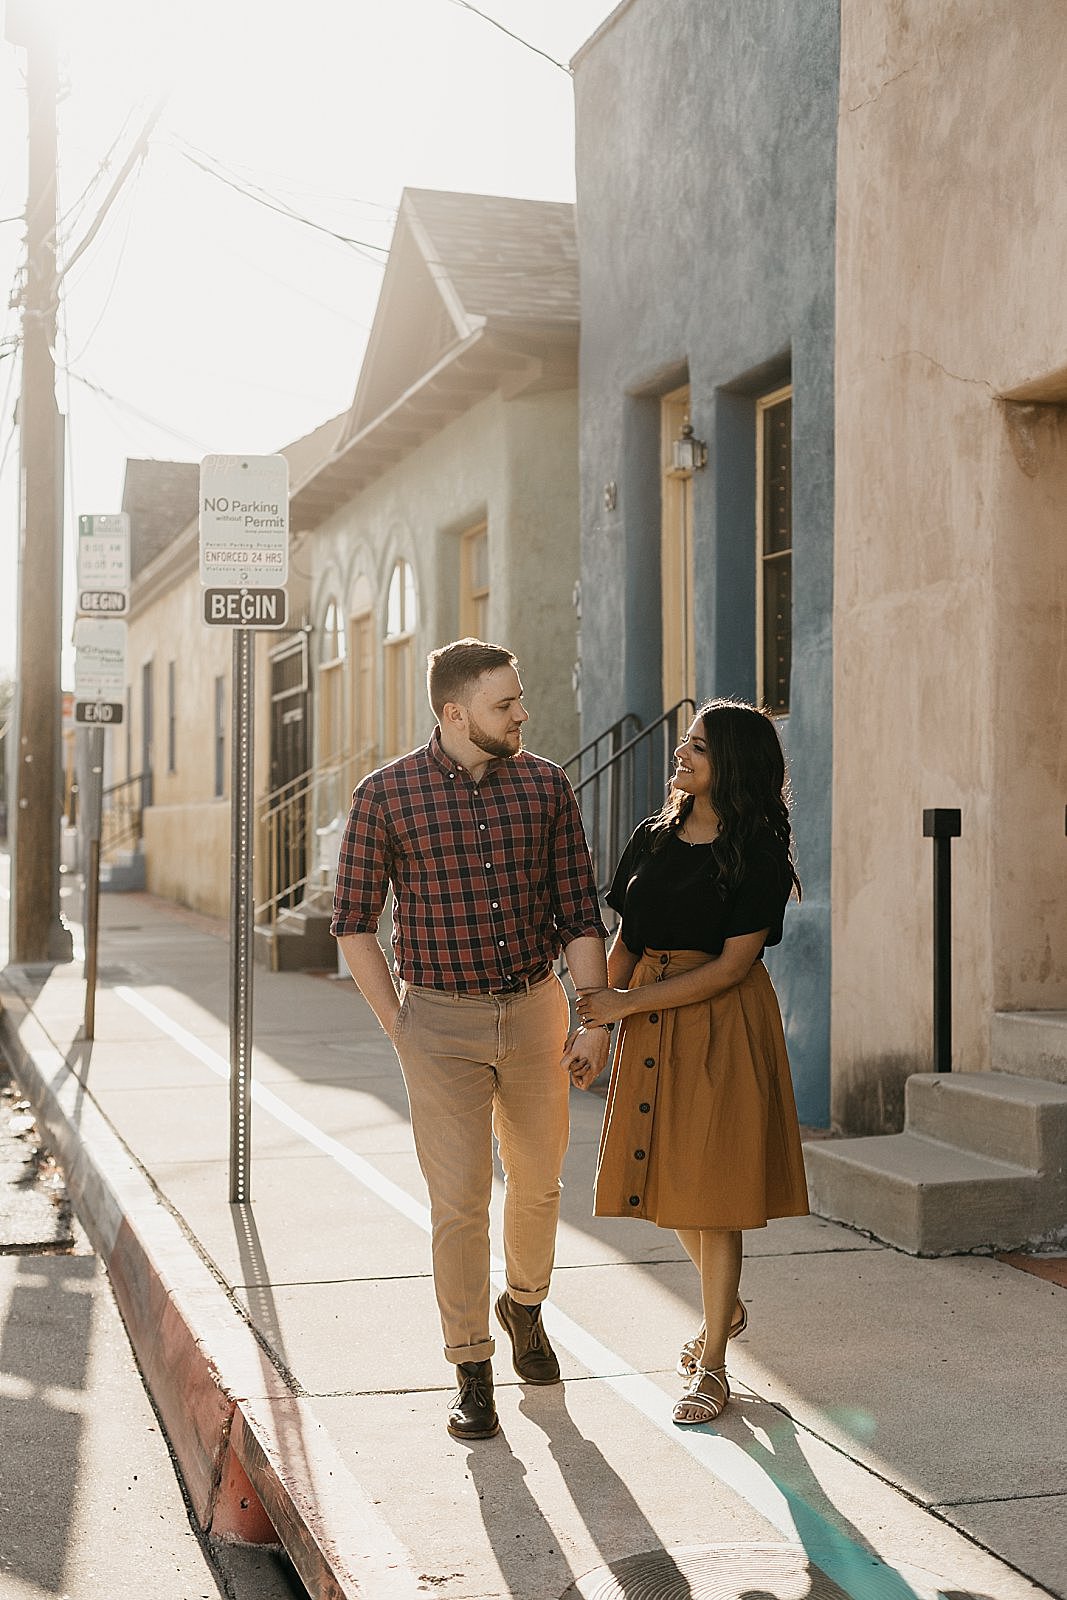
(748,1572)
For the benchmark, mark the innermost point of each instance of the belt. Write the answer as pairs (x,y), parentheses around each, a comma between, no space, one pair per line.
(524,985)
(511,986)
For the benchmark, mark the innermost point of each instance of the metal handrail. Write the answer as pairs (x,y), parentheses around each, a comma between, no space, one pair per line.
(122,820)
(290,819)
(629,785)
(613,733)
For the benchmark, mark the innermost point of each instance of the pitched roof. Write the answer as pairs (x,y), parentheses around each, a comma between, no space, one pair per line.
(480,293)
(160,497)
(507,260)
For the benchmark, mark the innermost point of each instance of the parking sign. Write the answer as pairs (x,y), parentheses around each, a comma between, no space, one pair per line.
(244,522)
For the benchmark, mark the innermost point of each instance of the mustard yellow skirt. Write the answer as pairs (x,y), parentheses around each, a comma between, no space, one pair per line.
(700,1129)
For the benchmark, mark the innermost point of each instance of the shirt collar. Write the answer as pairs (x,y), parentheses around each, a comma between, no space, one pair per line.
(440,757)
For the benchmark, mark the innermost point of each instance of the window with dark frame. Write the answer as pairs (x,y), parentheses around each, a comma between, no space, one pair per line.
(220,737)
(172,717)
(775,454)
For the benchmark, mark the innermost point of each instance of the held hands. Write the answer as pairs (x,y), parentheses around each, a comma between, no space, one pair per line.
(585,1055)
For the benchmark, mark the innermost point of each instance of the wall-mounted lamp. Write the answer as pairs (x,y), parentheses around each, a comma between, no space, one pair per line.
(688,455)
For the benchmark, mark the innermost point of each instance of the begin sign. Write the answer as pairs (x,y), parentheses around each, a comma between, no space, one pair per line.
(245,608)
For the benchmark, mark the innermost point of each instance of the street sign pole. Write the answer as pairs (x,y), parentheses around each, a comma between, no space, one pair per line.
(244,567)
(99,677)
(92,807)
(241,915)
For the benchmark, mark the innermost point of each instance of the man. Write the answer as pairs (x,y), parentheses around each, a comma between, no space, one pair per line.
(483,845)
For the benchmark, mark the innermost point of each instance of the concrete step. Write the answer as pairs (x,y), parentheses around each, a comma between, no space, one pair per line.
(1014,1119)
(922,1195)
(300,941)
(1030,1044)
(125,874)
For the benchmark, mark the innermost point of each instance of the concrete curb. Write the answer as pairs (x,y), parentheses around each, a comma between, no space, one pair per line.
(257,1465)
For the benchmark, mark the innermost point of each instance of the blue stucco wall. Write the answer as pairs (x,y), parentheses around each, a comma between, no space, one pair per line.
(706,138)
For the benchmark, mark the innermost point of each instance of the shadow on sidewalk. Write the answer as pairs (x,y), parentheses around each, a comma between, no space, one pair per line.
(514,1522)
(44,1349)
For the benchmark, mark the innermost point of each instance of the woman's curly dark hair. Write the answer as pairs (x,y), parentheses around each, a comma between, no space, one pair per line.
(749,788)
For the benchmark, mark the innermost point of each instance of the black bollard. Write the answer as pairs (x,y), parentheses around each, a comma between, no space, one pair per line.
(942,825)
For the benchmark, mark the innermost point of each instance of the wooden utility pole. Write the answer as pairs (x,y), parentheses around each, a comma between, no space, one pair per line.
(36,931)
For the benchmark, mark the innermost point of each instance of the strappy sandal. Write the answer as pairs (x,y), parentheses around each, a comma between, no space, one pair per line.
(691,1352)
(707,1396)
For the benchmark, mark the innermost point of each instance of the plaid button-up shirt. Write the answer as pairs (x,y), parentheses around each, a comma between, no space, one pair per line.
(490,879)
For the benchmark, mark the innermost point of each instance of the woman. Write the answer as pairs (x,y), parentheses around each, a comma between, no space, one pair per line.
(700,1133)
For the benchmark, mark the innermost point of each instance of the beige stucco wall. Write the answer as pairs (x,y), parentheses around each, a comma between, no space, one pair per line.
(187,829)
(950,645)
(513,463)
(187,855)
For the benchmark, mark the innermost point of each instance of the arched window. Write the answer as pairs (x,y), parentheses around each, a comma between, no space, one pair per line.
(363,654)
(400,620)
(332,686)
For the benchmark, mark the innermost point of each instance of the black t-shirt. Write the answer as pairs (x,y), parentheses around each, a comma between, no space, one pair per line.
(669,899)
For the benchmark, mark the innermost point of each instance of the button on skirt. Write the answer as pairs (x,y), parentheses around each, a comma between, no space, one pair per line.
(700,1129)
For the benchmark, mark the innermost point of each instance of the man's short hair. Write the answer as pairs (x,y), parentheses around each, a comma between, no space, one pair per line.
(452,671)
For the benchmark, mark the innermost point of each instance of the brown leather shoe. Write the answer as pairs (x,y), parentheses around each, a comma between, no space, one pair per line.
(531,1354)
(472,1412)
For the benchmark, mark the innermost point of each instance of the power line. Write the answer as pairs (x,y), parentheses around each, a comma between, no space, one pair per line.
(135,411)
(273,182)
(361,246)
(114,276)
(139,151)
(14,427)
(516,36)
(105,163)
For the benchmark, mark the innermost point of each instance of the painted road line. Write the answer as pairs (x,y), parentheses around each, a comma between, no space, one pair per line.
(860,1573)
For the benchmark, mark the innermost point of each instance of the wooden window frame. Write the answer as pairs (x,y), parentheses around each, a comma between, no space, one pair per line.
(677,566)
(400,719)
(473,600)
(764,404)
(364,689)
(331,687)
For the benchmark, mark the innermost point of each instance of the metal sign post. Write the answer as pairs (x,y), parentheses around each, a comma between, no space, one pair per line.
(92,806)
(99,684)
(244,566)
(244,662)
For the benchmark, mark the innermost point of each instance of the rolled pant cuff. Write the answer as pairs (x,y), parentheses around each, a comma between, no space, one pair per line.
(470,1352)
(528,1297)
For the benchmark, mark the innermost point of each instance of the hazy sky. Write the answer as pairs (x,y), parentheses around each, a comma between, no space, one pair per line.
(212,322)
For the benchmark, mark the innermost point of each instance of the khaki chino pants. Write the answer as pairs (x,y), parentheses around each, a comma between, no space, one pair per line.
(475,1066)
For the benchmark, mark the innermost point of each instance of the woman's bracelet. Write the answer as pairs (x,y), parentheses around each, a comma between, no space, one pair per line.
(589,1026)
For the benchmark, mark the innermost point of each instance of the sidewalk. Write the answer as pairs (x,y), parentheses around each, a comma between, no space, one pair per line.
(898,1430)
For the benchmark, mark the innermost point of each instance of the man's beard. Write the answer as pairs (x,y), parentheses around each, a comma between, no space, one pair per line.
(492,747)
